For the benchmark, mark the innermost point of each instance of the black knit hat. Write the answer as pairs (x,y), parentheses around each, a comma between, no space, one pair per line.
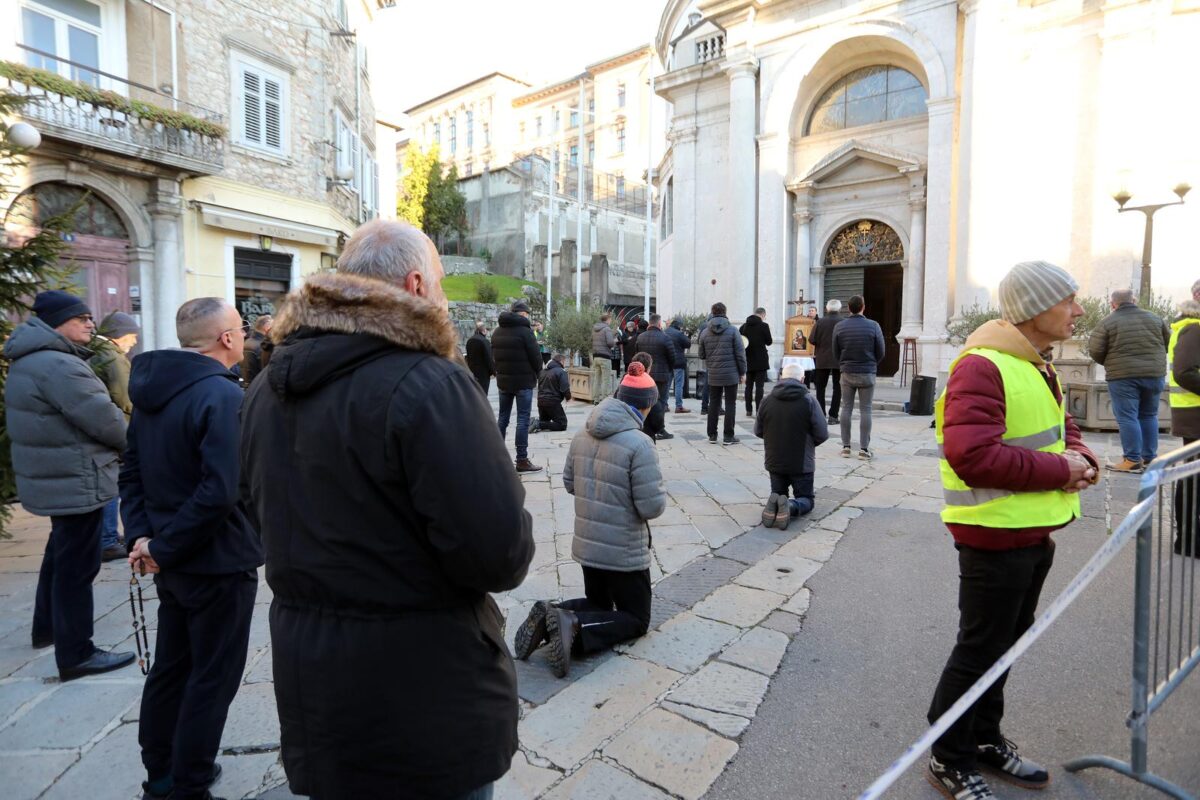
(520,306)
(56,307)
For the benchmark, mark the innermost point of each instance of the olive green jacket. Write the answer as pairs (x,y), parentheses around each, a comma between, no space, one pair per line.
(112,367)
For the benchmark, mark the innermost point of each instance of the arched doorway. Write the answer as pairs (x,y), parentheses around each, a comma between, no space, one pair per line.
(865,258)
(99,250)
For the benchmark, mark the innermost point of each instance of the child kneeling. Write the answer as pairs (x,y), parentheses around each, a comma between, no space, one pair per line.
(612,470)
(791,425)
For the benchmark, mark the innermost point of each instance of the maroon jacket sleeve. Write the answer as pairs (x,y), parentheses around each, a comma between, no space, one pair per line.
(974,426)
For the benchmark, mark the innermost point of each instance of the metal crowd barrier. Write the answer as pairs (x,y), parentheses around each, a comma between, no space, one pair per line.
(1166,625)
(1166,633)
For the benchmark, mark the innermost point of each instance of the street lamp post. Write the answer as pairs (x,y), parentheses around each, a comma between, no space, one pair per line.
(1145,292)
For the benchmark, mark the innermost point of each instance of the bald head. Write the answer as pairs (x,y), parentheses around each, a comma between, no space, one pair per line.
(395,252)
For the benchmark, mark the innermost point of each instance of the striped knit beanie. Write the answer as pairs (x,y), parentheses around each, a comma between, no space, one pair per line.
(1032,287)
(637,388)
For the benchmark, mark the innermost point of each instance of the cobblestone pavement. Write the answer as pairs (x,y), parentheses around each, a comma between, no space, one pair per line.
(660,717)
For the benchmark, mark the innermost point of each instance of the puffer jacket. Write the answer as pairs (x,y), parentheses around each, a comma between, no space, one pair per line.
(112,367)
(612,470)
(723,352)
(1185,422)
(1131,343)
(682,343)
(66,432)
(554,384)
(603,340)
(791,425)
(758,334)
(858,345)
(658,345)
(516,353)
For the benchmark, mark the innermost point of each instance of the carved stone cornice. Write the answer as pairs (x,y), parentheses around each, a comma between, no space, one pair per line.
(683,135)
(916,199)
(802,216)
(744,67)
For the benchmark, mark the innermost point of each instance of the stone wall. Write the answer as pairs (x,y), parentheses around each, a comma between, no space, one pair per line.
(464,265)
(465,313)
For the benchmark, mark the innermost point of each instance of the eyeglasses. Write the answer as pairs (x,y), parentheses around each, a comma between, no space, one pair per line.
(244,328)
(86,318)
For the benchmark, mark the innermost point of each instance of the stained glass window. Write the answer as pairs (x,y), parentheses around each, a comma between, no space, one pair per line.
(864,242)
(45,200)
(868,95)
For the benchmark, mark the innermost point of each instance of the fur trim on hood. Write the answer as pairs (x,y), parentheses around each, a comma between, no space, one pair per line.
(1189,308)
(346,303)
(997,334)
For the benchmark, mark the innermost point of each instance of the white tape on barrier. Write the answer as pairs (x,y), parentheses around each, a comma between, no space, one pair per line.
(1137,515)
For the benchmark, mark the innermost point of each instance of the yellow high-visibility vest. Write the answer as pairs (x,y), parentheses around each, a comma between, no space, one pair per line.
(1180,397)
(1033,419)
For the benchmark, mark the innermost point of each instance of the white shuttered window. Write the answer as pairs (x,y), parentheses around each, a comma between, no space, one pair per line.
(261,107)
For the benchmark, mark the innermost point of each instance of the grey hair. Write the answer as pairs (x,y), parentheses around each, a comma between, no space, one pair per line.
(195,321)
(762,312)
(263,322)
(388,250)
(792,371)
(560,357)
(1120,296)
(480,326)
(833,305)
(1196,288)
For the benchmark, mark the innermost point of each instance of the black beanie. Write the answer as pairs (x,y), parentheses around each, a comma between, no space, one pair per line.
(56,307)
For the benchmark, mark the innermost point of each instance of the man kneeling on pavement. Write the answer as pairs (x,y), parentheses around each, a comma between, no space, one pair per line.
(554,386)
(1012,467)
(612,470)
(791,424)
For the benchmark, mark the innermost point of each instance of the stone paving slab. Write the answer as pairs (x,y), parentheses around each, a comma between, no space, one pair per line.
(105,765)
(724,688)
(27,775)
(718,530)
(783,622)
(524,780)
(536,683)
(749,548)
(672,752)
(71,716)
(252,721)
(739,605)
(684,643)
(698,580)
(817,544)
(784,575)
(760,649)
(580,718)
(730,726)
(598,780)
(16,693)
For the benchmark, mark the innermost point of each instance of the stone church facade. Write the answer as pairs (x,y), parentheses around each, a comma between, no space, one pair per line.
(912,151)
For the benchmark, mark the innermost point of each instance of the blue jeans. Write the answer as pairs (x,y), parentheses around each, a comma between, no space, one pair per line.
(524,398)
(680,382)
(1135,405)
(108,534)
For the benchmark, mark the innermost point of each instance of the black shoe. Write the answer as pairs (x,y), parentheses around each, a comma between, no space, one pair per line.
(712,439)
(98,662)
(958,784)
(772,508)
(730,440)
(1002,759)
(532,633)
(525,465)
(560,631)
(149,794)
(663,436)
(114,552)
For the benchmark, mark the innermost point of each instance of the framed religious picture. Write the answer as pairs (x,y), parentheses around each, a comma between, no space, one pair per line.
(799,336)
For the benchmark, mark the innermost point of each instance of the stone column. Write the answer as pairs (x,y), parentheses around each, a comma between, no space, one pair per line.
(166,215)
(685,277)
(804,269)
(142,259)
(914,273)
(940,260)
(741,201)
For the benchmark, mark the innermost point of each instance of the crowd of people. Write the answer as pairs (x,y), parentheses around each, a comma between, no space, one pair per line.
(382,569)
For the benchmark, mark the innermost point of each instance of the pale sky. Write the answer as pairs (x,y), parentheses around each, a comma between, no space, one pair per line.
(422,48)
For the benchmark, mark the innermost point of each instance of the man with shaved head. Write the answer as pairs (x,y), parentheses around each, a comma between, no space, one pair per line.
(1131,345)
(183,521)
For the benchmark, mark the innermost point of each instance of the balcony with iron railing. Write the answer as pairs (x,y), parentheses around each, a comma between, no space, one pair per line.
(167,131)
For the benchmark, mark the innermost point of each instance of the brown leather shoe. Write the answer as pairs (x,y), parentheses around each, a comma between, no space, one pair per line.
(1127,466)
(682,410)
(525,465)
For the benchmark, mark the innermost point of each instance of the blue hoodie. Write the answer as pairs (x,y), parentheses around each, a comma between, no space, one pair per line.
(179,481)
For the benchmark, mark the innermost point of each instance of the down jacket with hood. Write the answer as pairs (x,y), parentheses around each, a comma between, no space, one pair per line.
(791,424)
(723,352)
(758,334)
(516,353)
(66,432)
(604,341)
(612,469)
(179,482)
(658,345)
(389,509)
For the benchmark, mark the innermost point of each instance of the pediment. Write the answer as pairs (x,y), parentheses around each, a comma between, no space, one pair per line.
(855,162)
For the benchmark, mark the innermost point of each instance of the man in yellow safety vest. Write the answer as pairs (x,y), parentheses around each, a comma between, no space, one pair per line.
(1183,377)
(1012,465)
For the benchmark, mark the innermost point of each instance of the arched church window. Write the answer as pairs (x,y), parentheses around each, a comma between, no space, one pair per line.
(864,242)
(867,95)
(47,200)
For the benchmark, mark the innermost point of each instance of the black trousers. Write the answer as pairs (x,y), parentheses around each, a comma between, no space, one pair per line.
(616,608)
(63,608)
(203,633)
(998,594)
(715,394)
(551,417)
(1187,514)
(822,378)
(616,362)
(754,385)
(664,399)
(485,382)
(801,484)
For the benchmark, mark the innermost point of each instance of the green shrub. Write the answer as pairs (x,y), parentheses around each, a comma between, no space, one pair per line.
(968,320)
(691,322)
(570,329)
(486,291)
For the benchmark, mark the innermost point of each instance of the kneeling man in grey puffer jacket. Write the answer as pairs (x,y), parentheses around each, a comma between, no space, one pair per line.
(612,469)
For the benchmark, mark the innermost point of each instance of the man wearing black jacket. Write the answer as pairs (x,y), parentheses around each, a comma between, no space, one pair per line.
(758,338)
(179,500)
(388,513)
(518,364)
(655,342)
(554,386)
(479,357)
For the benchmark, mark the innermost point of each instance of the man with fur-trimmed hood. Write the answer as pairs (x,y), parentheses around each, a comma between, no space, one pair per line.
(397,514)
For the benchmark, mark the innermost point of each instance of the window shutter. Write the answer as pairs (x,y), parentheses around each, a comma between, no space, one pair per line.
(375,184)
(251,107)
(356,161)
(272,114)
